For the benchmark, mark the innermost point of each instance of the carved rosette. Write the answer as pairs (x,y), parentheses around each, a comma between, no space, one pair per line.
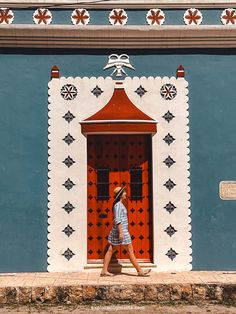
(42,16)
(192,17)
(155,17)
(80,17)
(118,17)
(6,16)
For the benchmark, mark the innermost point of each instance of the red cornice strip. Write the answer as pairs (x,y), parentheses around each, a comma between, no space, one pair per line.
(121,128)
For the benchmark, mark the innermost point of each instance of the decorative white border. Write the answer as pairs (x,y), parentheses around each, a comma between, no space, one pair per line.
(84,105)
(155,106)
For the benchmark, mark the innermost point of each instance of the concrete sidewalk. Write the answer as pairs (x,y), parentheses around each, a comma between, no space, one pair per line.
(84,287)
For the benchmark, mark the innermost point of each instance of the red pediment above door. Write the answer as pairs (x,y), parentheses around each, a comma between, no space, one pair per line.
(119,115)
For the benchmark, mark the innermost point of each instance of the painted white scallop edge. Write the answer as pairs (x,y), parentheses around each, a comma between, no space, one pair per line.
(84,105)
(155,106)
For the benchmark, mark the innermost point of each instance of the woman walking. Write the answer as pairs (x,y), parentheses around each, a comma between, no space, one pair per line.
(119,234)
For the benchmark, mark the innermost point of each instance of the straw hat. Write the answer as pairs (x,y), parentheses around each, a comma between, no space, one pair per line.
(118,192)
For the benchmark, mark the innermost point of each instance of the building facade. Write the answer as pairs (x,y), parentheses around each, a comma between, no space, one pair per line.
(133,94)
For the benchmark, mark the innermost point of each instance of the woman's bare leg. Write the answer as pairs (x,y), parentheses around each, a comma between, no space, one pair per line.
(107,258)
(132,257)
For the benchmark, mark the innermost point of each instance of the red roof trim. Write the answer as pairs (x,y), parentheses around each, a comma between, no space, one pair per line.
(119,115)
(119,107)
(120,128)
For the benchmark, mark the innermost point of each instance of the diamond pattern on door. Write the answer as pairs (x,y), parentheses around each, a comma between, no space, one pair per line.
(123,160)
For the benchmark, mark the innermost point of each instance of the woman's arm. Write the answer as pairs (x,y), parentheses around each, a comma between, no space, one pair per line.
(121,235)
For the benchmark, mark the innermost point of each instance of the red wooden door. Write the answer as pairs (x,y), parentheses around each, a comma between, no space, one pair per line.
(119,160)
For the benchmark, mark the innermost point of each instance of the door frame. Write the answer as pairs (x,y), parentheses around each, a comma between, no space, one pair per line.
(150,193)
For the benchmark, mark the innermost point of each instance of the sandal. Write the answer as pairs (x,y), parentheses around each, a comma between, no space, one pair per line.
(145,273)
(107,274)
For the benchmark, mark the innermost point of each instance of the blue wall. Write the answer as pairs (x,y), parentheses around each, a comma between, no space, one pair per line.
(24,77)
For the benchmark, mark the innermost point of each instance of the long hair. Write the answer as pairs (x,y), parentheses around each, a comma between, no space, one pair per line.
(116,200)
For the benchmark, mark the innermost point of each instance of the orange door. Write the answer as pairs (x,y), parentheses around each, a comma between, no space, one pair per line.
(119,160)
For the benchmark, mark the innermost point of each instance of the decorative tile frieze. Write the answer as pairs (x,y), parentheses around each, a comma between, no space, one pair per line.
(118,17)
(42,17)
(80,17)
(192,17)
(155,17)
(6,16)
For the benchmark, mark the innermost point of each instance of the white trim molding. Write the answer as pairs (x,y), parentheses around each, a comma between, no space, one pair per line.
(137,37)
(72,100)
(127,4)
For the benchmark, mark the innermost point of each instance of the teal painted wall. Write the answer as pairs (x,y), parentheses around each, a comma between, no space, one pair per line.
(23,147)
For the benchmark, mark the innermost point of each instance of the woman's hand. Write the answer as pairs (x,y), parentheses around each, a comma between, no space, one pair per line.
(121,236)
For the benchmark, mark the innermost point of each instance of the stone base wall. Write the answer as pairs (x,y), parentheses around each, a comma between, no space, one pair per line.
(134,293)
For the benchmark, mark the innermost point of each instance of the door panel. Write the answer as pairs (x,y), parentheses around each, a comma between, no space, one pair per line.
(119,160)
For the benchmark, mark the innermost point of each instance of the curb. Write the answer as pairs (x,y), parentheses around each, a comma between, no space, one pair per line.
(133,293)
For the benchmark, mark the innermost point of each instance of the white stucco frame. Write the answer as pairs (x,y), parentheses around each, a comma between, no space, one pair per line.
(84,105)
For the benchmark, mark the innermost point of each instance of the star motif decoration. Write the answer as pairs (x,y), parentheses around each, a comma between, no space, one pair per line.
(118,17)
(228,17)
(80,17)
(192,17)
(69,92)
(6,16)
(155,17)
(42,16)
(97,91)
(168,91)
(141,91)
(68,254)
(172,254)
